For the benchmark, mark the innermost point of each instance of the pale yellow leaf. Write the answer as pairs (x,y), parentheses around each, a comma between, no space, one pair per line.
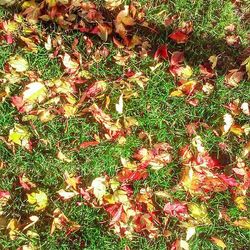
(18,63)
(99,187)
(34,92)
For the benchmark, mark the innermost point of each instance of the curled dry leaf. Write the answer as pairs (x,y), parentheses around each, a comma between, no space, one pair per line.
(234,77)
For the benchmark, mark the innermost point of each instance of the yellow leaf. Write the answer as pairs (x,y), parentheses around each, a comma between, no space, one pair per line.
(240,202)
(20,135)
(69,110)
(199,213)
(130,121)
(218,242)
(186,72)
(29,43)
(51,3)
(63,157)
(236,129)
(18,63)
(177,93)
(213,59)
(71,181)
(35,92)
(112,4)
(45,115)
(243,222)
(39,199)
(13,228)
(247,64)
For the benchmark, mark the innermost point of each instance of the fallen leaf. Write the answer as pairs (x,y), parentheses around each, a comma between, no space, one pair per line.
(218,242)
(18,63)
(21,136)
(99,187)
(39,199)
(119,105)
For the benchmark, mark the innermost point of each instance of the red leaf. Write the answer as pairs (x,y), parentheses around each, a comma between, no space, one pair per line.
(228,180)
(179,37)
(87,144)
(4,194)
(18,102)
(176,209)
(117,216)
(177,58)
(25,182)
(161,52)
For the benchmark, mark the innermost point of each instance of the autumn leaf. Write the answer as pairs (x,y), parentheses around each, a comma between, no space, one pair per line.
(247,65)
(34,92)
(234,77)
(20,135)
(199,213)
(63,157)
(179,37)
(39,199)
(61,222)
(99,187)
(242,222)
(161,52)
(18,63)
(119,105)
(26,183)
(218,242)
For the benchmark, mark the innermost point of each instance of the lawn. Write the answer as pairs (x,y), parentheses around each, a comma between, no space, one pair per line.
(125,125)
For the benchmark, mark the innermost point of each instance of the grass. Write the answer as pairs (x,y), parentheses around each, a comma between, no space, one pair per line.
(162,117)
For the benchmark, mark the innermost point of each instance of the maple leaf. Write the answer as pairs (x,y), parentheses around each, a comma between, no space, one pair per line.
(199,213)
(71,180)
(18,63)
(39,199)
(234,77)
(176,209)
(21,136)
(34,92)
